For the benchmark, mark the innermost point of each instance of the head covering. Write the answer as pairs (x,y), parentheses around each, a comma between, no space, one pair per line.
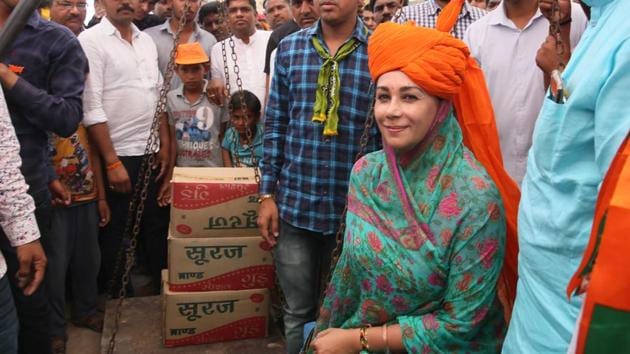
(191,53)
(442,66)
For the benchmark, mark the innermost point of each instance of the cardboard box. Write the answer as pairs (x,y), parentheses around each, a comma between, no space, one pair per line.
(226,263)
(214,202)
(213,316)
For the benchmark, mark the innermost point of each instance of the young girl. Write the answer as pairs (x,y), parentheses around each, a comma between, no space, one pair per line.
(245,110)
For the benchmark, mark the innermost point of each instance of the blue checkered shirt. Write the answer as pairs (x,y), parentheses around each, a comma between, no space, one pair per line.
(307,171)
(426,13)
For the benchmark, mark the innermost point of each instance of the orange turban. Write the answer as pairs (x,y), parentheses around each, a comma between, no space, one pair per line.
(437,62)
(443,67)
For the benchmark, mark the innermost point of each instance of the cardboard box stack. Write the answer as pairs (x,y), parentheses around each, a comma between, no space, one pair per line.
(220,269)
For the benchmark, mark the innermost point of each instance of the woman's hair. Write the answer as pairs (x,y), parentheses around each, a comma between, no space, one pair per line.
(248,100)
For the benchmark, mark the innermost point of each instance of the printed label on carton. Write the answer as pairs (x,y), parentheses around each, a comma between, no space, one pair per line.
(237,263)
(206,317)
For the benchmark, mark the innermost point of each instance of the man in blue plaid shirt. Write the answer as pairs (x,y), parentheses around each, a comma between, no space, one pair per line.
(315,116)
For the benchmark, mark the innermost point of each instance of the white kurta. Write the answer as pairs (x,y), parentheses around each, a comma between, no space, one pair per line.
(251,62)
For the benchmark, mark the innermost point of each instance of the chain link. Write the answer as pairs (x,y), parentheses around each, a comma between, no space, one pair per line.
(363,142)
(239,84)
(336,253)
(555,31)
(136,206)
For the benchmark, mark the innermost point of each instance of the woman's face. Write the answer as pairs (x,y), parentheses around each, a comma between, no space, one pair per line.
(403,111)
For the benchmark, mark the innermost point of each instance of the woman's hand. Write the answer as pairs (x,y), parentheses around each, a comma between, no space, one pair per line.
(337,341)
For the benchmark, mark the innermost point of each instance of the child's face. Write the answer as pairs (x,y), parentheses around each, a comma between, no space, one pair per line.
(192,75)
(240,119)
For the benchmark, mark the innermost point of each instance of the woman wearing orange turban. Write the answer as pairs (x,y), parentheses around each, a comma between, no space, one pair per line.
(426,223)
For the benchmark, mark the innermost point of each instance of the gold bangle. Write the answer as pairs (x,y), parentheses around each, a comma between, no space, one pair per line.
(363,338)
(264,197)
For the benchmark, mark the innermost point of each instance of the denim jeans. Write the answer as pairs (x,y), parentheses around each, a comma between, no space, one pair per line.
(9,325)
(301,258)
(33,311)
(73,248)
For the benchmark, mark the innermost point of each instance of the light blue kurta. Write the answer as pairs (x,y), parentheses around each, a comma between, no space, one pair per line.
(573,146)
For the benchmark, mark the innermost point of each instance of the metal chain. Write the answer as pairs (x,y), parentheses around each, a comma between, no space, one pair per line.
(555,31)
(336,253)
(363,142)
(239,85)
(136,206)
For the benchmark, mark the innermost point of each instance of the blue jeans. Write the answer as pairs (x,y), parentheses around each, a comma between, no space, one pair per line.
(9,325)
(301,257)
(73,248)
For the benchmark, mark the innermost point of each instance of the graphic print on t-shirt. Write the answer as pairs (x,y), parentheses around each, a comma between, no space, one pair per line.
(72,165)
(196,133)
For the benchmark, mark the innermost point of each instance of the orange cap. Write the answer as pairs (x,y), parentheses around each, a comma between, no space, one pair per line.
(190,53)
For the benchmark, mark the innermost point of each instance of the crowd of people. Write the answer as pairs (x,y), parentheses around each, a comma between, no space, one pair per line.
(463,144)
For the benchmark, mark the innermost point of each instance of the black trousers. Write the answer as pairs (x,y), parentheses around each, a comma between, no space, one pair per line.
(33,311)
(152,237)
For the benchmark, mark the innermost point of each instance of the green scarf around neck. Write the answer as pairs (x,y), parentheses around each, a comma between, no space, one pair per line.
(328,85)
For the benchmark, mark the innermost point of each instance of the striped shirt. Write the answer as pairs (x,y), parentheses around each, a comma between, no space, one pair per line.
(307,171)
(426,13)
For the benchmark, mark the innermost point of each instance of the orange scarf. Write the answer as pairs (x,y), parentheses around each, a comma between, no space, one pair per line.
(448,16)
(442,66)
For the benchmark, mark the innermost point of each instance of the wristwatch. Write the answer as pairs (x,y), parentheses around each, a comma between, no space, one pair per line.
(263,197)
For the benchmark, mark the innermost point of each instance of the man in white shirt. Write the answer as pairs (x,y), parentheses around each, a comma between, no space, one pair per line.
(505,43)
(250,46)
(120,99)
(164,35)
